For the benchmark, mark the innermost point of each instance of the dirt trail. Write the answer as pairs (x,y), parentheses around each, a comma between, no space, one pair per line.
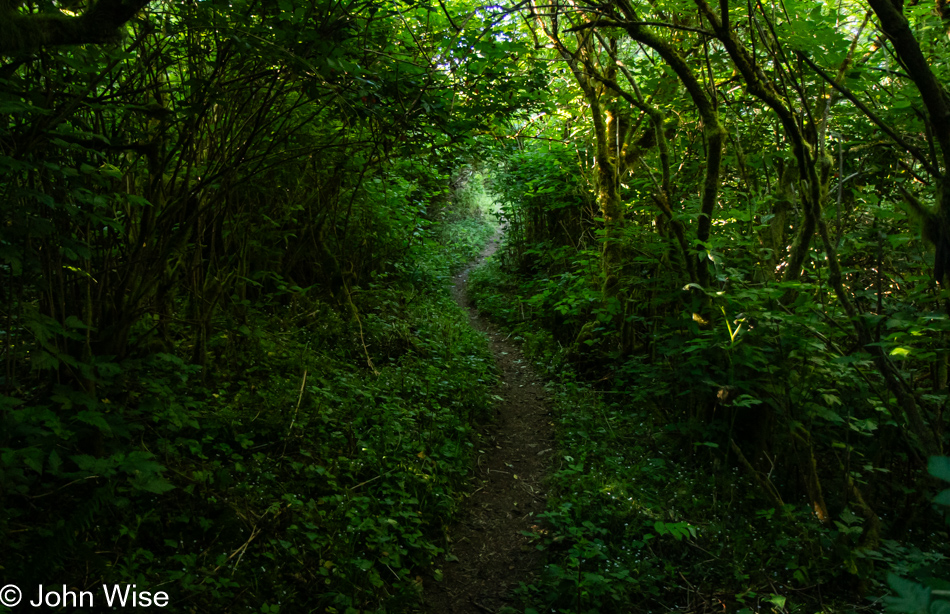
(493,556)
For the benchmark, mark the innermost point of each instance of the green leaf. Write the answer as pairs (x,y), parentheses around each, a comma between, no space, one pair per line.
(44,360)
(940,607)
(912,598)
(777,600)
(151,483)
(939,467)
(140,461)
(33,458)
(55,462)
(13,106)
(75,322)
(8,403)
(94,418)
(86,462)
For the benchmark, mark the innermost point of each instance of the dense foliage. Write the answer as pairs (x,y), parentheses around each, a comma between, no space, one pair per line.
(731,233)
(231,369)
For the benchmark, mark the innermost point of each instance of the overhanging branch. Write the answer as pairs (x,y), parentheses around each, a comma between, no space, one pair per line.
(23,33)
(606,23)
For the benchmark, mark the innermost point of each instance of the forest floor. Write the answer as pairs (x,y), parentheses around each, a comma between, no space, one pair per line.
(489,555)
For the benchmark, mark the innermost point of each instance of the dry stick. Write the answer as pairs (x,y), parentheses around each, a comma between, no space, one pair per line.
(239,552)
(482,608)
(356,314)
(352,490)
(299,399)
(243,550)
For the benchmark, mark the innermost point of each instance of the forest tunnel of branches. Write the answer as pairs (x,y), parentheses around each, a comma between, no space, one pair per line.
(232,370)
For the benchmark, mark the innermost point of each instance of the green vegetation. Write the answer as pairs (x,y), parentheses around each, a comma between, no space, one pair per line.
(232,371)
(316,458)
(648,508)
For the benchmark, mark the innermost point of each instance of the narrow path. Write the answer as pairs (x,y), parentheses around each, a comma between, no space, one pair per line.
(488,555)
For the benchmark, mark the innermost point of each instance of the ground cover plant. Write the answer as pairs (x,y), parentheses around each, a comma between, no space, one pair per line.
(649,510)
(313,467)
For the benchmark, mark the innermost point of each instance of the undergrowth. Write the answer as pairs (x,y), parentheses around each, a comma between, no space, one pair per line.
(648,513)
(311,468)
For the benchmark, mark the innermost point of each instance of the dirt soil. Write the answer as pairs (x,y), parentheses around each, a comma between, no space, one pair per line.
(488,556)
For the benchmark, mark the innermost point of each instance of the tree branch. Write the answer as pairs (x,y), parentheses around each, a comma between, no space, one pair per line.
(22,33)
(606,23)
(873,117)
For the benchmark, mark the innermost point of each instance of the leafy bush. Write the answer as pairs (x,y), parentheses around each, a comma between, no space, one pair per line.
(312,465)
(651,500)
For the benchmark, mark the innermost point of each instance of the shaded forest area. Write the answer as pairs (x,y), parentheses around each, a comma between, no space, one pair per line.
(232,370)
